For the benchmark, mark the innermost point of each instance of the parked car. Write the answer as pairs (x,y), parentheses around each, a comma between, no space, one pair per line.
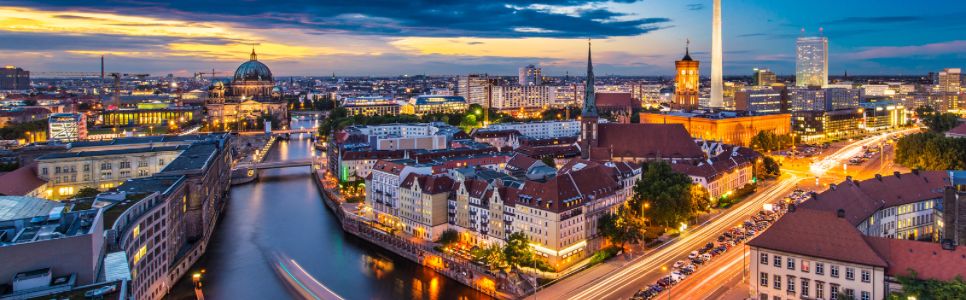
(678,264)
(693,254)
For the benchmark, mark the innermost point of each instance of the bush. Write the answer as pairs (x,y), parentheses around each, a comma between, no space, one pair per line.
(603,255)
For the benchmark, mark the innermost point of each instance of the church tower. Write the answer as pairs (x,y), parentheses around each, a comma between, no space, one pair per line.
(686,82)
(588,118)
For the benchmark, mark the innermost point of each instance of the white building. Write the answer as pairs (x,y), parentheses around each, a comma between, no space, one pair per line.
(811,64)
(540,130)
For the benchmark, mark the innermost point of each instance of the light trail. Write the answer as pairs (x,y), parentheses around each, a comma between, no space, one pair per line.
(607,286)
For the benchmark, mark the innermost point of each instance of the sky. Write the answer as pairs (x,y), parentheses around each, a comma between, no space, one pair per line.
(449,37)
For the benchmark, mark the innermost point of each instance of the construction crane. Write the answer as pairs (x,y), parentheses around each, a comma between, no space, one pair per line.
(116,98)
(199,76)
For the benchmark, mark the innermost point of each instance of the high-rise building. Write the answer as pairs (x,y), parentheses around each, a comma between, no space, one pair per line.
(950,84)
(717,82)
(686,82)
(530,75)
(811,64)
(764,77)
(474,88)
(13,78)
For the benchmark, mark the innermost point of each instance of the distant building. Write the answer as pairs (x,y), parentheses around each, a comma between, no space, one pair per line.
(728,127)
(842,98)
(371,106)
(530,75)
(13,78)
(806,98)
(819,126)
(954,206)
(762,100)
(538,130)
(434,104)
(764,77)
(19,115)
(169,116)
(811,63)
(727,169)
(686,82)
(526,97)
(474,88)
(882,115)
(950,89)
(67,128)
(250,95)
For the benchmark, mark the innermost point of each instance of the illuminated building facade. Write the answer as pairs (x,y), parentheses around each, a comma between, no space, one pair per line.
(67,127)
(729,128)
(372,106)
(686,82)
(882,115)
(811,64)
(763,100)
(249,96)
(173,116)
(474,88)
(530,75)
(764,77)
(434,104)
(950,86)
(827,126)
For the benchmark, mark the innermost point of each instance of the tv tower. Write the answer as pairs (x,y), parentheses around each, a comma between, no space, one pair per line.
(717,84)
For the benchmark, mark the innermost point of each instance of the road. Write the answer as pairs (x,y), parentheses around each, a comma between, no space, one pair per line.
(624,281)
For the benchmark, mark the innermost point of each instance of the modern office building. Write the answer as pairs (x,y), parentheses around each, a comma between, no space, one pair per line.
(818,126)
(760,100)
(686,83)
(169,116)
(950,90)
(525,97)
(539,130)
(811,63)
(837,98)
(434,104)
(806,98)
(530,75)
(67,128)
(371,106)
(13,78)
(763,77)
(474,88)
(882,115)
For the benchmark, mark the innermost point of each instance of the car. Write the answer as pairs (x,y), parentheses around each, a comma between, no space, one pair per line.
(697,260)
(678,264)
(706,257)
(693,254)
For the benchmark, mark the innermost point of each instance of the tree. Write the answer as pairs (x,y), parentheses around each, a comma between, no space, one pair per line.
(768,168)
(491,256)
(931,151)
(517,250)
(662,195)
(700,198)
(621,228)
(767,141)
(549,162)
(448,237)
(86,192)
(912,286)
(937,122)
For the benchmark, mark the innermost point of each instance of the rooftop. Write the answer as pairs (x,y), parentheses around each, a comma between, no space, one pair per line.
(812,231)
(111,152)
(19,207)
(21,181)
(860,199)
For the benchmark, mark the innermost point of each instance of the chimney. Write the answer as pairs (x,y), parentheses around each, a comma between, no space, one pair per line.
(898,175)
(879,177)
(840,213)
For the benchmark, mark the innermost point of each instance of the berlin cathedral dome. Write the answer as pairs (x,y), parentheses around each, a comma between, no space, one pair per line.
(253,79)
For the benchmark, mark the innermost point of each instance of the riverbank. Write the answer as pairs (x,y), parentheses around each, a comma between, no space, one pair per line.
(465,272)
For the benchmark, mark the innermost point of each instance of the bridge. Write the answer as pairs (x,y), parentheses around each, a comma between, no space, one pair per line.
(280,131)
(302,162)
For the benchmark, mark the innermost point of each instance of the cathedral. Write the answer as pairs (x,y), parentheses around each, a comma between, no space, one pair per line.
(601,140)
(251,94)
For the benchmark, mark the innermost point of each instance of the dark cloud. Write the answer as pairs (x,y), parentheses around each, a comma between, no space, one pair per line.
(429,18)
(695,6)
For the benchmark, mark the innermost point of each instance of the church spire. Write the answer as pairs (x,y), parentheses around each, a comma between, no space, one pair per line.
(590,97)
(253,56)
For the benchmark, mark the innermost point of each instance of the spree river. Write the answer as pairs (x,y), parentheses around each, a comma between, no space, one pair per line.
(282,214)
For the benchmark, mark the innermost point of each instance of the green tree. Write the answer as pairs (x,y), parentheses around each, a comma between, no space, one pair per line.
(621,228)
(86,192)
(700,198)
(767,168)
(931,151)
(767,141)
(448,237)
(517,250)
(912,286)
(663,196)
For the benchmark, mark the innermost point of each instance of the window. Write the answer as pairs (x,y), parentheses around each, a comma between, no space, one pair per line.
(764,258)
(43,171)
(87,167)
(778,261)
(142,163)
(849,293)
(804,287)
(105,166)
(834,271)
(777,282)
(834,292)
(849,273)
(866,276)
(125,165)
(763,278)
(819,289)
(161,162)
(819,268)
(791,284)
(866,295)
(791,263)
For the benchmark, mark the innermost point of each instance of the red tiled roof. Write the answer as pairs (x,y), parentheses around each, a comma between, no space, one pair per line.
(21,181)
(929,260)
(615,100)
(860,199)
(388,167)
(555,150)
(818,234)
(646,141)
(520,162)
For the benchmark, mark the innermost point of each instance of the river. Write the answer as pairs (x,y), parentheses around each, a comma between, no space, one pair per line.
(282,213)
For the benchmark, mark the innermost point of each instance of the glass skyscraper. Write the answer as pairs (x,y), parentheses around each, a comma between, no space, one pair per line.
(811,65)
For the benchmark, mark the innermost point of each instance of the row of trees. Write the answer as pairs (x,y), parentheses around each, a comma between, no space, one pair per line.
(937,122)
(931,151)
(767,141)
(514,254)
(323,103)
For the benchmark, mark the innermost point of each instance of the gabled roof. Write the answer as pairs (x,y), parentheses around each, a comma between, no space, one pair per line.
(520,162)
(647,141)
(21,181)
(928,260)
(860,199)
(818,234)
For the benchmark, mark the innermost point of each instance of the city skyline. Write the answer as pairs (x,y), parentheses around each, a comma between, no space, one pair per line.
(633,37)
